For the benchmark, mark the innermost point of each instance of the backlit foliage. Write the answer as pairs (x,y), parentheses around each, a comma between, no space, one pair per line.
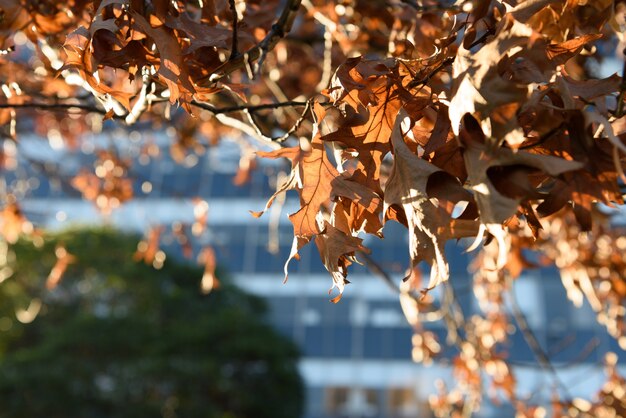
(476,119)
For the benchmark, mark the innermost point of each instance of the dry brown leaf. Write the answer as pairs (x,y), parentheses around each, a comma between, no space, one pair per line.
(429,225)
(477,85)
(209,280)
(494,207)
(316,175)
(148,248)
(561,52)
(13,223)
(292,182)
(64,259)
(337,250)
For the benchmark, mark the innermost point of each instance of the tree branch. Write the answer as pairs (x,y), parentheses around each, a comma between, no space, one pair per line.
(205,106)
(234,51)
(327,69)
(434,8)
(621,98)
(420,82)
(260,50)
(296,125)
(141,104)
(249,108)
(374,267)
(533,344)
(54,107)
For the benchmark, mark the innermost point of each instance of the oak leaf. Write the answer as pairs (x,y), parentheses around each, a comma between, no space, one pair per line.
(480,156)
(485,161)
(478,85)
(430,226)
(561,52)
(337,250)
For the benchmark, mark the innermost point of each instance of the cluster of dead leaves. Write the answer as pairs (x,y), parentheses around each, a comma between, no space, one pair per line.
(511,136)
(518,147)
(608,402)
(592,266)
(480,119)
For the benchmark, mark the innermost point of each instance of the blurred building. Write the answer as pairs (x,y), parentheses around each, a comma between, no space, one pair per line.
(357,353)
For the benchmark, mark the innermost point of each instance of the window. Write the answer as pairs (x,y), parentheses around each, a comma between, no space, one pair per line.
(404,403)
(351,402)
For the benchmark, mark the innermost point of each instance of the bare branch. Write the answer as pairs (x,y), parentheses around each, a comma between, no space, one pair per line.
(249,108)
(533,344)
(422,81)
(245,128)
(96,109)
(378,270)
(141,104)
(432,8)
(619,112)
(296,125)
(54,107)
(260,50)
(327,68)
(374,267)
(234,52)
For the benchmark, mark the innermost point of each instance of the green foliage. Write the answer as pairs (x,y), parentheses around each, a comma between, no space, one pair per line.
(118,338)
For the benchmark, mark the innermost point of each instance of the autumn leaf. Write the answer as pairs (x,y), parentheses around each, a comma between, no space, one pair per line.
(172,69)
(357,208)
(561,52)
(481,156)
(485,160)
(148,248)
(316,175)
(292,182)
(371,95)
(79,57)
(478,86)
(64,259)
(13,223)
(209,280)
(429,225)
(337,251)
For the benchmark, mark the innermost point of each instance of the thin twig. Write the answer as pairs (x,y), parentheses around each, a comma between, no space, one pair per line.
(420,82)
(619,112)
(296,125)
(234,51)
(490,31)
(141,104)
(249,108)
(374,267)
(434,8)
(533,343)
(260,50)
(453,317)
(544,137)
(244,127)
(587,350)
(327,69)
(54,106)
(205,106)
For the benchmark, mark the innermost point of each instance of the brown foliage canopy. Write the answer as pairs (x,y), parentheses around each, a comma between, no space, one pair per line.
(474,119)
